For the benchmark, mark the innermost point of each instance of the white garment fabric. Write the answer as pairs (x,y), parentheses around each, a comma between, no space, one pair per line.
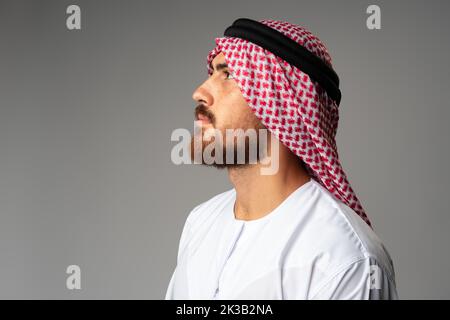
(312,246)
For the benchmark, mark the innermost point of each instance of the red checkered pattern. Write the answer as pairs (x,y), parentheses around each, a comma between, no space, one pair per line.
(291,105)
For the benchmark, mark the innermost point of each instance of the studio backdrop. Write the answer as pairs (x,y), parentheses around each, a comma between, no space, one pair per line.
(88,106)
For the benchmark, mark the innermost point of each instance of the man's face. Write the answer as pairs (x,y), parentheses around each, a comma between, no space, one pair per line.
(222,106)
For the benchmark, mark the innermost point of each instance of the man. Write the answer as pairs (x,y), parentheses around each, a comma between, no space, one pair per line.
(298,233)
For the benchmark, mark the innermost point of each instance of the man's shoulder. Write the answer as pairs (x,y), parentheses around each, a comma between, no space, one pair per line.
(341,232)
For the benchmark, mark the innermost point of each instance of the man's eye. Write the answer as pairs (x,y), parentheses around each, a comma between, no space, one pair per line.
(229,76)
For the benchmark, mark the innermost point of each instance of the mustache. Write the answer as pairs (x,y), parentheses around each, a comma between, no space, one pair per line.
(201,109)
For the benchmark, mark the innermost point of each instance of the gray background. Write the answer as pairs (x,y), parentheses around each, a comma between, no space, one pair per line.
(86,118)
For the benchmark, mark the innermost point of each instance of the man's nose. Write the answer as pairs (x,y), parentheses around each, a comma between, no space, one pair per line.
(203,96)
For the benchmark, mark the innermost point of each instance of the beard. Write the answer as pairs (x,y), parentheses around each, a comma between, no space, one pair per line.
(234,148)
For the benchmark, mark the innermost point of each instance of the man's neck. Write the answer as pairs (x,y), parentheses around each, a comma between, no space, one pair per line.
(257,195)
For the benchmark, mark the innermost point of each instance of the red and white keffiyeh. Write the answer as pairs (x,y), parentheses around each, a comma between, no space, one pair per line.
(291,105)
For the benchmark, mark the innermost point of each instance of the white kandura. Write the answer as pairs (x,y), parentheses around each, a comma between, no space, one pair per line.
(312,246)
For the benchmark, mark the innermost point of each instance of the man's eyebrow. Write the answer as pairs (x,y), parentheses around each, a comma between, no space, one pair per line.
(221,66)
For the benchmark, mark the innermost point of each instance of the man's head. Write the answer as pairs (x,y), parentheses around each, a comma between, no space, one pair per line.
(222,107)
(266,91)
